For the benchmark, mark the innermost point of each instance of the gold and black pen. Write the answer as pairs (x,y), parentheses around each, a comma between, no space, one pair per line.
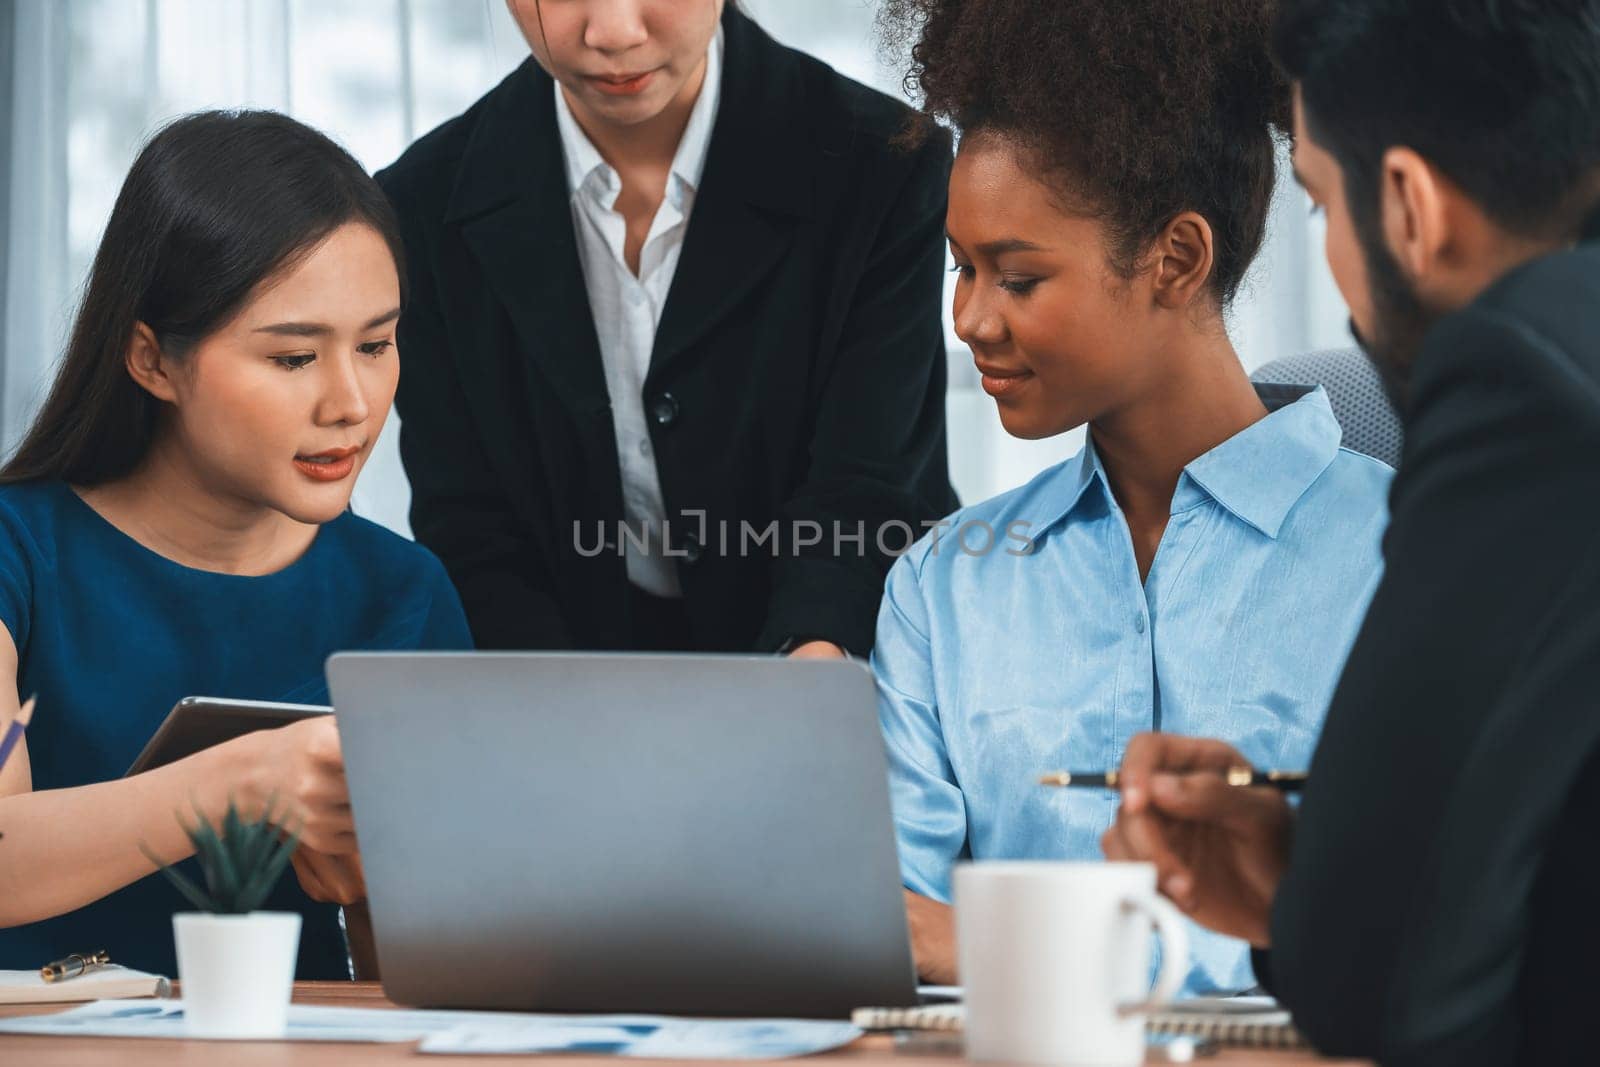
(74,965)
(1239,777)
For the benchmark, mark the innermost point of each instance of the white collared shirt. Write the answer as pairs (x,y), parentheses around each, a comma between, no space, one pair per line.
(627,309)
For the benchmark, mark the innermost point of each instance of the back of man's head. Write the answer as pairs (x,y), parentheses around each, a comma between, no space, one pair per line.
(1503,96)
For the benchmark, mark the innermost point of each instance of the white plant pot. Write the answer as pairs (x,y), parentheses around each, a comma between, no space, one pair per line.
(237,972)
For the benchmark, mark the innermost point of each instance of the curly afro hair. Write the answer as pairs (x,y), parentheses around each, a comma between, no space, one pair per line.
(1134,110)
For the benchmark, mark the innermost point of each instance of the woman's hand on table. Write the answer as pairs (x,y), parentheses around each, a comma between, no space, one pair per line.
(817,650)
(933,938)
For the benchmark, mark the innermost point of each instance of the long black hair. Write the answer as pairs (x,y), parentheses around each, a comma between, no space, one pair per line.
(216,203)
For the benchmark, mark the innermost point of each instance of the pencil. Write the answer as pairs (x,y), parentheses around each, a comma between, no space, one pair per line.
(1283,781)
(14,731)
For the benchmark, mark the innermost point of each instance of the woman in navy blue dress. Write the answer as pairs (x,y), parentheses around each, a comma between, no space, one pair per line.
(176,523)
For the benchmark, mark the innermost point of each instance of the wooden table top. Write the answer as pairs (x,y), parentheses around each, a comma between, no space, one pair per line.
(39,1051)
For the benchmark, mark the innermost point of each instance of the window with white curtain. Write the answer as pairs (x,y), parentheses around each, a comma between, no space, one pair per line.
(93,78)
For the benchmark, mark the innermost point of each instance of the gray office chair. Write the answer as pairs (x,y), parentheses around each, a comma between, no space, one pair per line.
(1370,423)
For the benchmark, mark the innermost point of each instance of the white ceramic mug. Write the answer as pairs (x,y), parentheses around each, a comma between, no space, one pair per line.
(1055,958)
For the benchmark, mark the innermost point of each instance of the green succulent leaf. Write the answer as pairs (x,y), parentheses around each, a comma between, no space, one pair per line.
(241,859)
(253,893)
(232,825)
(193,893)
(253,850)
(222,878)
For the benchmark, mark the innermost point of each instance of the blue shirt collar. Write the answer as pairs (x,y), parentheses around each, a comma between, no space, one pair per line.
(1257,474)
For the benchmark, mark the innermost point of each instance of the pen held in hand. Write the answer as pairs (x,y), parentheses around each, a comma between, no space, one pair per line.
(13,732)
(1239,777)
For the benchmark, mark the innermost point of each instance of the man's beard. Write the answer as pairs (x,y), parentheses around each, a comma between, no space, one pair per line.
(1400,322)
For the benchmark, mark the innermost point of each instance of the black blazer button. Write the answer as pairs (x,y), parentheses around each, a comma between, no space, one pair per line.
(664,409)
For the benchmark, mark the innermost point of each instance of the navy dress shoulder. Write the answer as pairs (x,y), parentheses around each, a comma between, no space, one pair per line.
(110,635)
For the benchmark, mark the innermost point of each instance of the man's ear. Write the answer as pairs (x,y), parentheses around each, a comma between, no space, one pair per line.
(1183,257)
(1414,211)
(148,366)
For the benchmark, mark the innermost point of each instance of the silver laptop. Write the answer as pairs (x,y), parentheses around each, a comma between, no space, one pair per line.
(624,833)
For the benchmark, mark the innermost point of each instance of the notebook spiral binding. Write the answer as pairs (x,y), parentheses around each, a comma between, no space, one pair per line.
(1236,1032)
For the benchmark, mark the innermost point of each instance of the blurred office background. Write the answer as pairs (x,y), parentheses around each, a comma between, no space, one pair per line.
(90,79)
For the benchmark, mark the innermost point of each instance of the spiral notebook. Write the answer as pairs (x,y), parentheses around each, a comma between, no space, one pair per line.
(1242,1022)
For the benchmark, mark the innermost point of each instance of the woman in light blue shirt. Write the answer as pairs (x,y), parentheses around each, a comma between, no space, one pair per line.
(1203,564)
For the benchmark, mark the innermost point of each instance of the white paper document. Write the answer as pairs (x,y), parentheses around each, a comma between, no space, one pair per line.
(164,1019)
(646,1036)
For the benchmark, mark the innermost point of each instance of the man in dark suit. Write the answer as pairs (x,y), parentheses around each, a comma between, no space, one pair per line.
(1434,899)
(673,357)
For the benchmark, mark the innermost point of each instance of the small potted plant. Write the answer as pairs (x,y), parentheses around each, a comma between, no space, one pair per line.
(236,963)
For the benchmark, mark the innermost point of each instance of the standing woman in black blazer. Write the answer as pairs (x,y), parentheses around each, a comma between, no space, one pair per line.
(673,285)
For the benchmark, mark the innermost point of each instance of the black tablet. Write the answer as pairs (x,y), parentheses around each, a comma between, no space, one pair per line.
(197,723)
